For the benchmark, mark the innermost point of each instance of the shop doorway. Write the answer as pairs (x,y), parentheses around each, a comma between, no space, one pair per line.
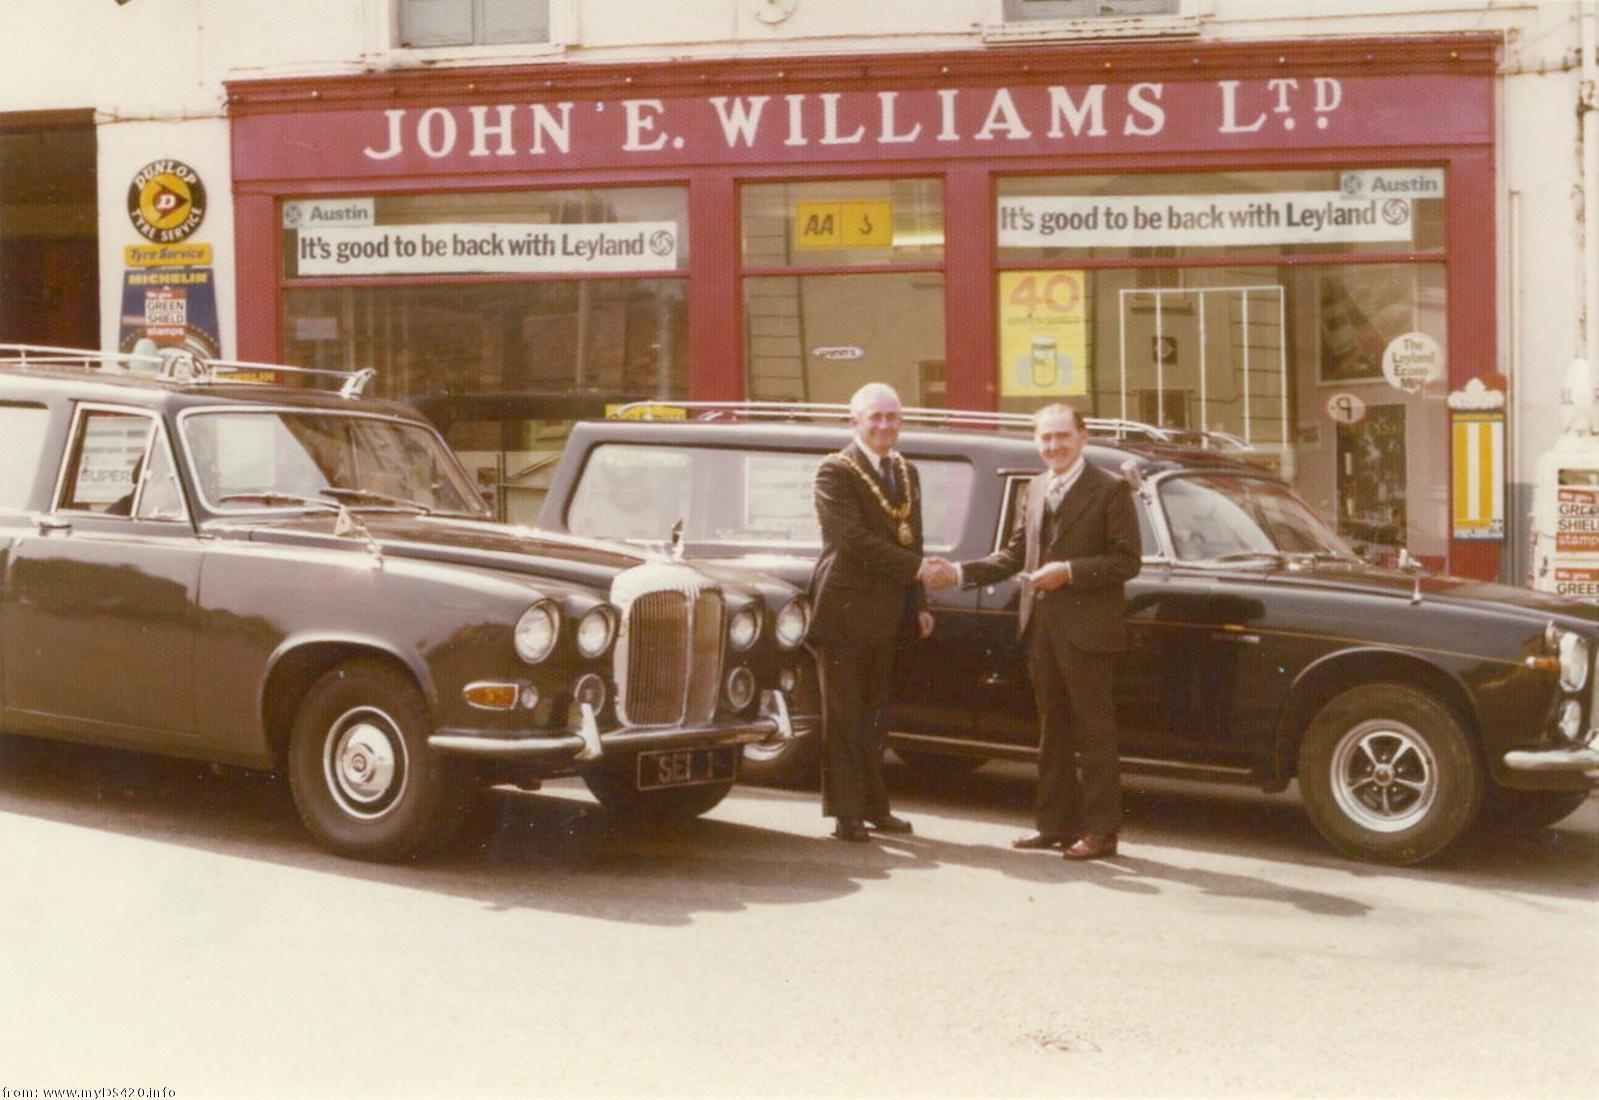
(49,238)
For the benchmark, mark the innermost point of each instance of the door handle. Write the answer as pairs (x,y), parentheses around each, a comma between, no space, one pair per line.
(994,679)
(49,525)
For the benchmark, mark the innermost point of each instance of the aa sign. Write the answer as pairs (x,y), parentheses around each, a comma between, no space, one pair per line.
(1043,346)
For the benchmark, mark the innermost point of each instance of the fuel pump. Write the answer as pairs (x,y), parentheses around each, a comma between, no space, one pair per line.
(1565,516)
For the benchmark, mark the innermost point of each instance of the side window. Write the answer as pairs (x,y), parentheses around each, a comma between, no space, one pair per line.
(23,428)
(1010,519)
(107,460)
(473,22)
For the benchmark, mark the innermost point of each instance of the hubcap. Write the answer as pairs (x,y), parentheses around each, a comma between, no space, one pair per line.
(365,763)
(1384,776)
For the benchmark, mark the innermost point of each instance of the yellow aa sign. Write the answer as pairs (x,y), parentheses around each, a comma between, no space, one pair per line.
(843,225)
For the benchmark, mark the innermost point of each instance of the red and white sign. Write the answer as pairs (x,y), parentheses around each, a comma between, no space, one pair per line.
(779,126)
(1577,524)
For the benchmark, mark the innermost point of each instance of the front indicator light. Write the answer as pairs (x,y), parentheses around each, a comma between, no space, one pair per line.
(788,680)
(492,695)
(1570,719)
(536,632)
(740,689)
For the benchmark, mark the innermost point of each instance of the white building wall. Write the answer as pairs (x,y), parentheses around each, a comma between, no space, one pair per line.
(153,70)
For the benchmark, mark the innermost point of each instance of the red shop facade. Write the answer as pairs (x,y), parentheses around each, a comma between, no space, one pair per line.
(1291,246)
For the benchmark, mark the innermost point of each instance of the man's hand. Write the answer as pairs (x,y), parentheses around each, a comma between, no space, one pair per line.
(937,573)
(1052,575)
(924,624)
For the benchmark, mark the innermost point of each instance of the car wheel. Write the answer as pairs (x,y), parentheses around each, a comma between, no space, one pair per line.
(795,763)
(363,778)
(612,781)
(1527,811)
(937,765)
(1388,775)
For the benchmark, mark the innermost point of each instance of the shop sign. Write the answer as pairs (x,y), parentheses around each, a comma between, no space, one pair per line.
(1479,475)
(1412,360)
(1578,583)
(166,201)
(171,307)
(784,126)
(1346,408)
(820,225)
(1388,183)
(1144,221)
(1577,518)
(313,213)
(839,353)
(167,255)
(1043,343)
(493,248)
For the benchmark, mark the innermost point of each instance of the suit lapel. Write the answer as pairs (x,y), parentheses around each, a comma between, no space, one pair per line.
(1037,495)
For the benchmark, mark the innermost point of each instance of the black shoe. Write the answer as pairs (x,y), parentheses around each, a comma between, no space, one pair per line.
(851,829)
(1041,840)
(888,823)
(1102,846)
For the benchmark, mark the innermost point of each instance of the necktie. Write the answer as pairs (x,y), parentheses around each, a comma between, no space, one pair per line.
(888,478)
(1057,490)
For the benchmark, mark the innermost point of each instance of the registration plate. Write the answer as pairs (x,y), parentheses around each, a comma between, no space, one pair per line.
(685,767)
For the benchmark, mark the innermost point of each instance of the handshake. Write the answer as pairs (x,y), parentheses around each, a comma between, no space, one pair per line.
(937,573)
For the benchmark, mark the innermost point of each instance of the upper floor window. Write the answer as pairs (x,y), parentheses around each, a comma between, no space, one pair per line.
(1085,9)
(473,22)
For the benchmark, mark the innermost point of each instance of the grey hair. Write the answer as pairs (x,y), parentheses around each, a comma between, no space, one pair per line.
(1061,407)
(866,393)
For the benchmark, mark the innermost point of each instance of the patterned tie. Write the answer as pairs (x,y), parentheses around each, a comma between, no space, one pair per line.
(888,479)
(1057,490)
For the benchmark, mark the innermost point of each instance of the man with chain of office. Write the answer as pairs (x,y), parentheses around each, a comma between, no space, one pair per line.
(867,593)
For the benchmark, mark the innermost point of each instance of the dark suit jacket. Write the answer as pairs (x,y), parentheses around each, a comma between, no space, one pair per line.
(864,586)
(1096,530)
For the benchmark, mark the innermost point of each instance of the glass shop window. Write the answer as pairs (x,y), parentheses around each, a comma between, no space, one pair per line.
(816,328)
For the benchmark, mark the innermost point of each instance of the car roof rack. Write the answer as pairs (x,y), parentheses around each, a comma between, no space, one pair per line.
(174,365)
(1098,426)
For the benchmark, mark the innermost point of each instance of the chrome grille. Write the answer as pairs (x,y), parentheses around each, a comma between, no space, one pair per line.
(674,658)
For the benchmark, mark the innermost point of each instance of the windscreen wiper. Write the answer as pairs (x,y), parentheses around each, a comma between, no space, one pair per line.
(370,496)
(273,499)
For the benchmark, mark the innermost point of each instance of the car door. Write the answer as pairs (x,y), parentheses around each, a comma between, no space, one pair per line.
(1003,691)
(98,617)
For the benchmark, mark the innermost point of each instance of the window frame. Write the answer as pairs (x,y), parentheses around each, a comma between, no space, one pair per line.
(552,40)
(72,454)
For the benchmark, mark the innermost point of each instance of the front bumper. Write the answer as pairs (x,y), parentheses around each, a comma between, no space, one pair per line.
(1585,761)
(587,743)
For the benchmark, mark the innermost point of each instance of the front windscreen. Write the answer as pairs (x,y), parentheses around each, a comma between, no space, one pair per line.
(1225,516)
(249,459)
(735,497)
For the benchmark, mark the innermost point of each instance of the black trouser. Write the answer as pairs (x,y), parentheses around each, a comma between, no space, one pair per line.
(1077,729)
(855,683)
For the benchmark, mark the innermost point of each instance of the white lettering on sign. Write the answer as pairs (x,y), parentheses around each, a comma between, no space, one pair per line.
(480,247)
(881,118)
(1285,217)
(1577,520)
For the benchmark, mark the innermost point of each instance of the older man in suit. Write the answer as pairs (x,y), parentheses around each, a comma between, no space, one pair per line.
(867,594)
(1076,548)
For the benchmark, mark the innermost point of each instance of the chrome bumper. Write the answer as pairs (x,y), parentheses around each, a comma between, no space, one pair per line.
(1555,760)
(587,743)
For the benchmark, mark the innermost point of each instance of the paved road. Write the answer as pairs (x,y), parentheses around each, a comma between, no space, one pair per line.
(167,928)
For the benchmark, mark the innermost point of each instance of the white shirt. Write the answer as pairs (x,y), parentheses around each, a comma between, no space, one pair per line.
(1057,487)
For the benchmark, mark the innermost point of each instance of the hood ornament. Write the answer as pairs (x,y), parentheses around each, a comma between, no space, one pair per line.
(348,526)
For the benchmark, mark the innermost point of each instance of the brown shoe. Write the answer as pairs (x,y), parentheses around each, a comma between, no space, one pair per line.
(1092,847)
(1034,841)
(850,829)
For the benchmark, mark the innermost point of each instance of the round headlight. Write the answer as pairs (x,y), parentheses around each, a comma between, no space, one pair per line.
(792,622)
(740,688)
(536,631)
(744,627)
(594,631)
(1570,719)
(1573,661)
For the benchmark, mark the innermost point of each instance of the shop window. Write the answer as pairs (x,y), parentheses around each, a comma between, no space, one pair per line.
(473,22)
(502,368)
(1085,9)
(816,329)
